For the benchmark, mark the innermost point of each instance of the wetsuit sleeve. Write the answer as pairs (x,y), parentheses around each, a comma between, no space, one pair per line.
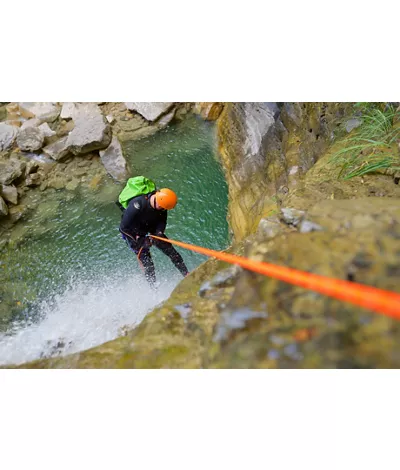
(130,222)
(162,224)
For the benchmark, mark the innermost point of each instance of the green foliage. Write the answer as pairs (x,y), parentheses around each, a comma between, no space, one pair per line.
(373,145)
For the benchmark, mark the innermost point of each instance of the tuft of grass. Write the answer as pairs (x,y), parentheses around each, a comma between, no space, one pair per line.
(373,145)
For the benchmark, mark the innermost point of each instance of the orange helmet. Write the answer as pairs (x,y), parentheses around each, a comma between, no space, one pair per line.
(166,198)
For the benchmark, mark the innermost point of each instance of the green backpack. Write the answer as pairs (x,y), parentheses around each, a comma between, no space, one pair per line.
(135,186)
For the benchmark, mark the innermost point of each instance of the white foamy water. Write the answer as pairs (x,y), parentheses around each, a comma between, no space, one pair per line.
(85,315)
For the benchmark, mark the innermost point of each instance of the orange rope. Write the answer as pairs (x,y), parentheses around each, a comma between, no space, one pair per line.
(372,298)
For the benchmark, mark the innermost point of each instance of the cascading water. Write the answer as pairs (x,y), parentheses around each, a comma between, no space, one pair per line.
(73,283)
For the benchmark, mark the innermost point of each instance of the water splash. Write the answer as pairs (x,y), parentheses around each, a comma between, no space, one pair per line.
(86,314)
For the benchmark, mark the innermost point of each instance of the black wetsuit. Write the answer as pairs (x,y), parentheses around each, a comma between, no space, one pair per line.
(140,219)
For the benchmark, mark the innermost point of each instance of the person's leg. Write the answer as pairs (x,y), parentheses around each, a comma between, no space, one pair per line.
(174,256)
(144,258)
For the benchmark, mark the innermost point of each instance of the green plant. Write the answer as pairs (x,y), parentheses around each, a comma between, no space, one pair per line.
(373,145)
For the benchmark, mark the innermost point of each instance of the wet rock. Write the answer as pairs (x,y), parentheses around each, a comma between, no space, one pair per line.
(352,124)
(45,112)
(30,139)
(59,150)
(10,171)
(3,207)
(91,131)
(8,134)
(150,111)
(114,161)
(9,193)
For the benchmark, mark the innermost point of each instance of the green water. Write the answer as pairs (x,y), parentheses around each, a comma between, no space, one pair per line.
(74,238)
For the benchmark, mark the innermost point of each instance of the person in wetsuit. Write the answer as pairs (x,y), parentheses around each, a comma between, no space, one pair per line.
(147,214)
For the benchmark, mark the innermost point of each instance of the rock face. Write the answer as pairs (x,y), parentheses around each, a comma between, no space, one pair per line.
(260,142)
(209,111)
(91,131)
(45,112)
(30,139)
(150,111)
(8,134)
(114,161)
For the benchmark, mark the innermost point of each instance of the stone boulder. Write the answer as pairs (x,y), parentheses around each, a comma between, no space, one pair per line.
(68,110)
(114,161)
(46,112)
(30,139)
(150,111)
(9,193)
(166,119)
(91,131)
(33,122)
(44,127)
(10,171)
(8,134)
(3,207)
(59,150)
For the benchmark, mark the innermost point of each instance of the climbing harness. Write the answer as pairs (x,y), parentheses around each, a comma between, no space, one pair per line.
(372,298)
